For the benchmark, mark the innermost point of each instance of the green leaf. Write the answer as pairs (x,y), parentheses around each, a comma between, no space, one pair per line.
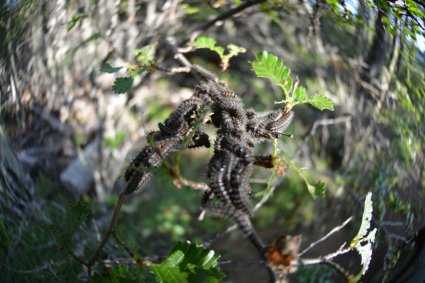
(321,102)
(209,43)
(367,217)
(234,50)
(122,85)
(114,142)
(270,66)
(107,68)
(71,24)
(364,240)
(365,250)
(146,54)
(299,95)
(188,262)
(319,189)
(190,10)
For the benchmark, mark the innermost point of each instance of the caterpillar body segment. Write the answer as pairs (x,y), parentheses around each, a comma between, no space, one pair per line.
(229,212)
(282,122)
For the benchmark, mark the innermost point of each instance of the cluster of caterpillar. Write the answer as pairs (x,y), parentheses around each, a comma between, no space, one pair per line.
(239,131)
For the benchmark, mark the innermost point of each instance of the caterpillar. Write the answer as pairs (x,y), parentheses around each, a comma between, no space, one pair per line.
(282,122)
(229,212)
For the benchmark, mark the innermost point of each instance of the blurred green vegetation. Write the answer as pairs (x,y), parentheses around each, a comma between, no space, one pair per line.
(379,150)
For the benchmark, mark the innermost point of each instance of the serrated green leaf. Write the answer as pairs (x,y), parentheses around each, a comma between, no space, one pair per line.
(122,85)
(107,68)
(77,17)
(188,262)
(366,218)
(299,95)
(270,66)
(311,190)
(234,50)
(146,54)
(204,42)
(321,102)
(209,43)
(319,189)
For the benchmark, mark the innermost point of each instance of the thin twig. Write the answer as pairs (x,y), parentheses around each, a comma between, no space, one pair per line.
(77,258)
(181,181)
(266,197)
(341,270)
(333,231)
(228,14)
(328,260)
(198,70)
(323,122)
(241,261)
(113,221)
(123,244)
(174,70)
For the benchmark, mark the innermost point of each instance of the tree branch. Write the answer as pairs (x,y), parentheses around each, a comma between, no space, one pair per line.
(228,14)
(333,231)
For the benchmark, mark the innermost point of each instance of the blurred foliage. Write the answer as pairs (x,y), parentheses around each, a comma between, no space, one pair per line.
(124,273)
(36,247)
(209,43)
(188,262)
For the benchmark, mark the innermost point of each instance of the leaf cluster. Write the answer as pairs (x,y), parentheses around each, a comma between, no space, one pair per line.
(270,66)
(210,43)
(145,57)
(188,262)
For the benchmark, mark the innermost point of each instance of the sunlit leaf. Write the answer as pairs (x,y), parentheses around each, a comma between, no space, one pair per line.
(321,102)
(188,262)
(234,50)
(366,218)
(146,54)
(364,240)
(299,95)
(209,43)
(365,250)
(270,66)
